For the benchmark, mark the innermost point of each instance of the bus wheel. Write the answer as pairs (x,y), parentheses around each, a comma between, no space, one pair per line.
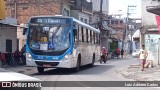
(40,69)
(78,65)
(77,68)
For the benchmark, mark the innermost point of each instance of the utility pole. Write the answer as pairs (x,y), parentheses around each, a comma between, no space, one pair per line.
(126,30)
(103,32)
(101,16)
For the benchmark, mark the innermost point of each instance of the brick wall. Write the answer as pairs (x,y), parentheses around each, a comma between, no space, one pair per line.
(27,8)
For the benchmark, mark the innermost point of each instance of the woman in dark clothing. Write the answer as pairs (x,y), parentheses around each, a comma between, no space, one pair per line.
(122,53)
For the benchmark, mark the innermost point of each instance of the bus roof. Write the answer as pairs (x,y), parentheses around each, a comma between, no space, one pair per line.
(75,20)
(51,16)
(86,25)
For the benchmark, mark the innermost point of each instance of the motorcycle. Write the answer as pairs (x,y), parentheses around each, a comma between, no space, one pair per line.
(21,58)
(103,58)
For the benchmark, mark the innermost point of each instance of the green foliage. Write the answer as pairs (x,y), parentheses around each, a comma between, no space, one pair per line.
(113,46)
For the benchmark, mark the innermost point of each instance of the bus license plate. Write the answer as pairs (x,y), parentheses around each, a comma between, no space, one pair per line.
(46,65)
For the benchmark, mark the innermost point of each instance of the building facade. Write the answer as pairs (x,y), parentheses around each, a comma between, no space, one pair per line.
(105,6)
(82,10)
(8,38)
(149,31)
(116,34)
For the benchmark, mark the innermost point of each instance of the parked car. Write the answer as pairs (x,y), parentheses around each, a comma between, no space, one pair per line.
(135,53)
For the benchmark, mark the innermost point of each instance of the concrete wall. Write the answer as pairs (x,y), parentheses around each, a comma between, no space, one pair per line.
(8,32)
(105,6)
(74,13)
(151,44)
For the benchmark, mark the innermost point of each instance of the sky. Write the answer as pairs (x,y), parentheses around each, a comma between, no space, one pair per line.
(120,7)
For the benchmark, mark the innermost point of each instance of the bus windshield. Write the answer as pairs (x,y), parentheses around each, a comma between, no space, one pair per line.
(49,37)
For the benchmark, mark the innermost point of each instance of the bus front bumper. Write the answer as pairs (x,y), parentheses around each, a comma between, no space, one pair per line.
(49,64)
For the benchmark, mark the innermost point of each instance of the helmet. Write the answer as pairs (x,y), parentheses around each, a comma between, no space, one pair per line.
(103,47)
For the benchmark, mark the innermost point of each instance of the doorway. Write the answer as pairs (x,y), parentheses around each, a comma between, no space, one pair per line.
(8,45)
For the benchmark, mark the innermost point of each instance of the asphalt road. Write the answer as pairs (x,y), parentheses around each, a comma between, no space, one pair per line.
(100,72)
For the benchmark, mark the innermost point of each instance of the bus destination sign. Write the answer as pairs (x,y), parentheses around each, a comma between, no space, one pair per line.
(49,20)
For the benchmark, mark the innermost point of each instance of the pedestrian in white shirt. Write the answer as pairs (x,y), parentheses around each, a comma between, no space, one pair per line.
(142,56)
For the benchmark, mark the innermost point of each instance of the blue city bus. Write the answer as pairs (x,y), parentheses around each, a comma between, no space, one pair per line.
(61,42)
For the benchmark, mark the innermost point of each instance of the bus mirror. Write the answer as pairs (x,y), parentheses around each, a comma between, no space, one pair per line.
(24,31)
(75,32)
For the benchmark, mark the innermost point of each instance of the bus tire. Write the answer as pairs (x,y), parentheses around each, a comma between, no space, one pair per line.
(40,69)
(1,63)
(78,66)
(93,61)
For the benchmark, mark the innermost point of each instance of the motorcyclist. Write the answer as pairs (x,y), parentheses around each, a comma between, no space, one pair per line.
(103,55)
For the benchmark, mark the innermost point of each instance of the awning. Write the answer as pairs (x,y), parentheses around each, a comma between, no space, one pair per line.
(136,34)
(10,24)
(153,9)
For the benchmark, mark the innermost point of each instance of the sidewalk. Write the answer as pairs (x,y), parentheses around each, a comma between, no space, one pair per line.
(20,69)
(135,73)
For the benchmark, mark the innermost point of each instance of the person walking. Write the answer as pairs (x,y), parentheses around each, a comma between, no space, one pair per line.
(118,52)
(122,53)
(103,55)
(143,54)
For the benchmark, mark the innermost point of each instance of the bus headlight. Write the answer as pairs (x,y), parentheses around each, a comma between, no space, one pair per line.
(66,57)
(29,56)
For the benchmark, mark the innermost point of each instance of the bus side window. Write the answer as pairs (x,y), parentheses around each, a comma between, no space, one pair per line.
(93,37)
(75,32)
(84,34)
(90,36)
(96,38)
(87,35)
(80,34)
(82,31)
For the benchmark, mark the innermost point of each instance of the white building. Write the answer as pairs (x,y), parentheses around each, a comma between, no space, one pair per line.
(8,35)
(149,25)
